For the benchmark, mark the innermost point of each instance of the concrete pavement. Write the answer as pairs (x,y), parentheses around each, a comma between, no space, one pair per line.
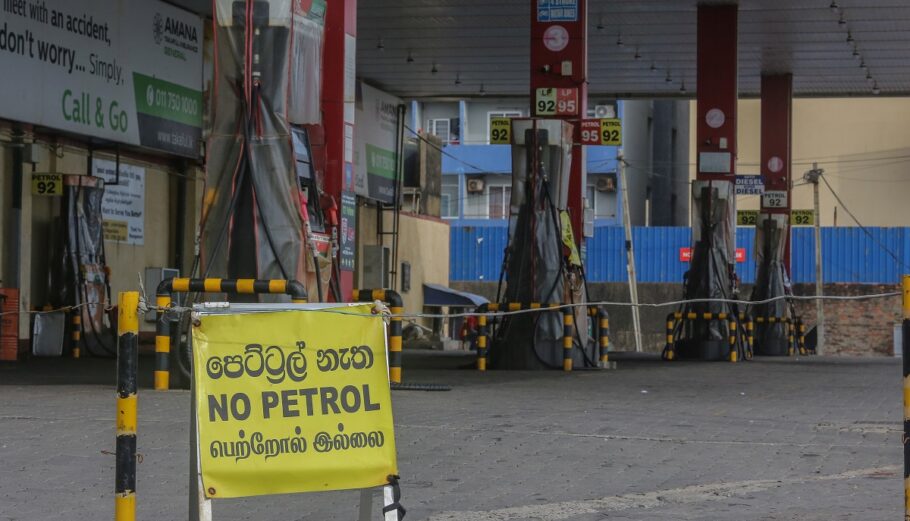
(773,439)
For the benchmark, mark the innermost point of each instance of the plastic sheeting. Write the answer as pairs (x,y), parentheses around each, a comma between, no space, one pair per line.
(252,221)
(711,273)
(771,281)
(535,260)
(79,276)
(306,64)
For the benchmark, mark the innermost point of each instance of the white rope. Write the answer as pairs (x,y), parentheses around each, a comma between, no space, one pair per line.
(545,308)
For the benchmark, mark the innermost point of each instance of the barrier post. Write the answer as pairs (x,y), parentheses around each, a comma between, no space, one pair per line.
(731,325)
(750,336)
(791,338)
(671,325)
(801,337)
(482,338)
(905,348)
(163,301)
(568,320)
(396,307)
(76,335)
(163,338)
(127,371)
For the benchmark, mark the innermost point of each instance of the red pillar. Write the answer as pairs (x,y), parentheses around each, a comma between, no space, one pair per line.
(338,84)
(559,60)
(776,143)
(717,92)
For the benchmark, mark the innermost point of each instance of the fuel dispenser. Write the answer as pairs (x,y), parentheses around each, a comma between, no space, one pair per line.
(541,265)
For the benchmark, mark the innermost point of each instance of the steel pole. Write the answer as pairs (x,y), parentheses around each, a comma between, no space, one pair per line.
(819,282)
(630,251)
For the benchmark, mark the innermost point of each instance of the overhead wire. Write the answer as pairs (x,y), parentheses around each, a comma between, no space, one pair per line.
(862,227)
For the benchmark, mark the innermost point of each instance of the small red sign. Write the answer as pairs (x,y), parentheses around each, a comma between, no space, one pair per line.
(590,132)
(566,102)
(685,255)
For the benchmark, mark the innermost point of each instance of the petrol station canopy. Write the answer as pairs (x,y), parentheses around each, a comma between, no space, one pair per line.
(637,48)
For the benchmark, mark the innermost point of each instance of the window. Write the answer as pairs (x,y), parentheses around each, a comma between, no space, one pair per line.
(476,206)
(591,195)
(501,114)
(449,198)
(498,200)
(439,128)
(601,195)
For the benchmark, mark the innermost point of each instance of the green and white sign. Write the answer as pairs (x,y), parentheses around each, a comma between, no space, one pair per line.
(129,71)
(375,142)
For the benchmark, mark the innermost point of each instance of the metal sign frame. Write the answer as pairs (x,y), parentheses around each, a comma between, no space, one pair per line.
(200,507)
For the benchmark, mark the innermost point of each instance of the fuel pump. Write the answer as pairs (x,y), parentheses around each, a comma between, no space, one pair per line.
(542,265)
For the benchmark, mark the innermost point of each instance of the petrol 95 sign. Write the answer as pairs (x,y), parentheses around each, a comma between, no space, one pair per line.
(601,132)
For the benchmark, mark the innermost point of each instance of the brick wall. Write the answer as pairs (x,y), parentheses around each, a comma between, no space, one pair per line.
(855,328)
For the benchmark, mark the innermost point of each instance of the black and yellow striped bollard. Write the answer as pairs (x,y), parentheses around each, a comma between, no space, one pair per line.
(601,330)
(568,322)
(669,351)
(750,338)
(482,337)
(163,300)
(801,338)
(76,334)
(734,352)
(396,308)
(791,338)
(127,373)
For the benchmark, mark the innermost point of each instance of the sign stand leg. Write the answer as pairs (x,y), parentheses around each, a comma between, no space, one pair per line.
(200,508)
(366,504)
(388,497)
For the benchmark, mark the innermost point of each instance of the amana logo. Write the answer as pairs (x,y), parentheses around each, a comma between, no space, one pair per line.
(158,27)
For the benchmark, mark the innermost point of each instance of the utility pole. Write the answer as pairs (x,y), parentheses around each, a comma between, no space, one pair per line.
(813,176)
(630,252)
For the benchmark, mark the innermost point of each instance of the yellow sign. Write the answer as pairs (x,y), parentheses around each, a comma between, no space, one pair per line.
(47,184)
(568,238)
(746,217)
(292,401)
(802,217)
(115,230)
(545,102)
(611,132)
(500,131)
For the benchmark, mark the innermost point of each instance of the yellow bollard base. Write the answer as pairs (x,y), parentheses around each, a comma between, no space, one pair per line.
(162,380)
(395,375)
(125,507)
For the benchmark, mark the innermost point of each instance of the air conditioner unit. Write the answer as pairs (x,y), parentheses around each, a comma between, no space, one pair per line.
(475,185)
(604,111)
(605,184)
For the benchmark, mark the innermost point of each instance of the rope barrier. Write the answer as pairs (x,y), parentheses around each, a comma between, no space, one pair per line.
(673,303)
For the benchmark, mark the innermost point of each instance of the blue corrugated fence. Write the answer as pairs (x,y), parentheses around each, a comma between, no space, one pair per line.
(849,255)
